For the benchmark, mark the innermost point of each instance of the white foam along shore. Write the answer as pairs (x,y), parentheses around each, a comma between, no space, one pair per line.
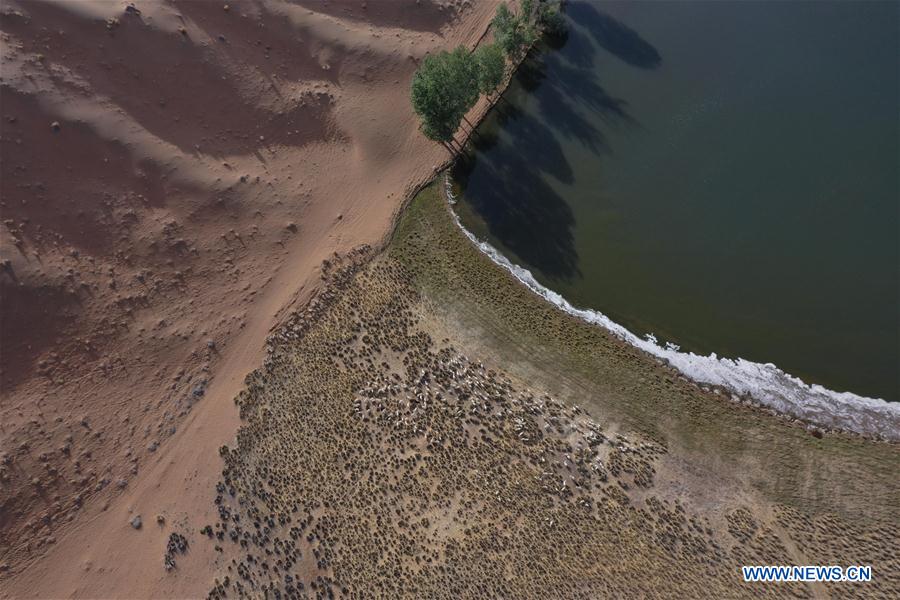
(765,383)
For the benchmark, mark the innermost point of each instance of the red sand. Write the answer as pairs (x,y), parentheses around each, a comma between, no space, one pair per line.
(172,177)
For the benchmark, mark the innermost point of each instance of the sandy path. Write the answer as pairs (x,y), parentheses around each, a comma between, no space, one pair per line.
(249,249)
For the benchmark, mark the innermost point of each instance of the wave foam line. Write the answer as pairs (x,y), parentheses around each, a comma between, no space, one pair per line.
(765,383)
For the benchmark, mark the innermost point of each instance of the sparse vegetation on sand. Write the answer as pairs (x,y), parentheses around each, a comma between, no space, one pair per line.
(428,428)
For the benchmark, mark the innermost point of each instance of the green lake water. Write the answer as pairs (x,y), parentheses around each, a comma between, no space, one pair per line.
(723,175)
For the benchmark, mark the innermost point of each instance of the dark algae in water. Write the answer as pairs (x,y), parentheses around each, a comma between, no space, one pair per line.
(720,174)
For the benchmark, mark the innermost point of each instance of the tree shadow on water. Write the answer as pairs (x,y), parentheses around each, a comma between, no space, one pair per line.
(520,209)
(505,176)
(584,88)
(568,89)
(560,86)
(532,139)
(531,72)
(614,36)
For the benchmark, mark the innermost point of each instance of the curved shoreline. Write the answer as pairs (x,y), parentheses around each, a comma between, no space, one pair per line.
(764,383)
(436,402)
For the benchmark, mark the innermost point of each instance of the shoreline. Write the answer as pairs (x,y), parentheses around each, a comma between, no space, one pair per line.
(765,385)
(477,115)
(424,371)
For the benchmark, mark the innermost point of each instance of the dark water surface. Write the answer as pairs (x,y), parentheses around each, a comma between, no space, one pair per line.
(721,174)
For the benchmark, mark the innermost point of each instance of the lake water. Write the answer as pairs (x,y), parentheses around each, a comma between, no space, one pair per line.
(723,175)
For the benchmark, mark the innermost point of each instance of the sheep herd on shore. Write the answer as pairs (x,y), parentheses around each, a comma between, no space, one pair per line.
(375,461)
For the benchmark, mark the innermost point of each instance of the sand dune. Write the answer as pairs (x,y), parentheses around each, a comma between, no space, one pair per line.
(173,175)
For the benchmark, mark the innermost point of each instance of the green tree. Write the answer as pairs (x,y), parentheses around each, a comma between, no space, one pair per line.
(550,19)
(444,88)
(526,23)
(528,10)
(491,66)
(513,32)
(506,30)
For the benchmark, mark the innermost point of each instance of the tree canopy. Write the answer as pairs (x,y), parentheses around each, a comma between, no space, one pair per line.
(491,65)
(514,32)
(550,19)
(444,88)
(447,85)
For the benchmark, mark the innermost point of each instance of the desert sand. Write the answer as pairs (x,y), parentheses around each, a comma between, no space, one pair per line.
(173,175)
